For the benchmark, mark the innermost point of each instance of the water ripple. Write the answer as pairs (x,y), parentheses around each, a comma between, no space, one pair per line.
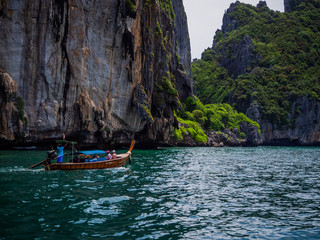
(176,193)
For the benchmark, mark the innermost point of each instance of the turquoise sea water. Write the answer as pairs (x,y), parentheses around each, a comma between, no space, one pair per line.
(174,193)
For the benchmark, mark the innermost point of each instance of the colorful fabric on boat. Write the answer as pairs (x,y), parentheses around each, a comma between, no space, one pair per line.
(92,152)
(60,159)
(60,151)
(60,154)
(96,159)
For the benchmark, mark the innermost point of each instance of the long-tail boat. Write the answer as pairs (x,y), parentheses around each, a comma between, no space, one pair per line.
(87,163)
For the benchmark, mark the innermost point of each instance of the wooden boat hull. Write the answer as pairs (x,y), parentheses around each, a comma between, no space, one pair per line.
(118,162)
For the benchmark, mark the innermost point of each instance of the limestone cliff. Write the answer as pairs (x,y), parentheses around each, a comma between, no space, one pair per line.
(304,127)
(98,71)
(11,125)
(241,57)
(238,56)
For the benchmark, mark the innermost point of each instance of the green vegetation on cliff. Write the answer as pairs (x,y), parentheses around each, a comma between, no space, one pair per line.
(20,106)
(283,64)
(131,8)
(197,118)
(166,5)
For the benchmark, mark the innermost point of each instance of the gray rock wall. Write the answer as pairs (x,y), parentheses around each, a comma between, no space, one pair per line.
(237,57)
(10,123)
(303,127)
(80,65)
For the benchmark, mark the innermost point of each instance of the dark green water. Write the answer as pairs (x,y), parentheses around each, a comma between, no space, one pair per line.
(177,193)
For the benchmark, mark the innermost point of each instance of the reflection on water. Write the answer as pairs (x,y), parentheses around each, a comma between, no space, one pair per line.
(177,193)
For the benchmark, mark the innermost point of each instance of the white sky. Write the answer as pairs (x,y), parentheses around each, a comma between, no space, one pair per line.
(205,17)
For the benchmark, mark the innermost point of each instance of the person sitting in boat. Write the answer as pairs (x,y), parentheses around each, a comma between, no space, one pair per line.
(108,155)
(96,156)
(114,155)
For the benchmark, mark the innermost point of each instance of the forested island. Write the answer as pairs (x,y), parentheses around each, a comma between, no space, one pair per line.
(104,73)
(265,64)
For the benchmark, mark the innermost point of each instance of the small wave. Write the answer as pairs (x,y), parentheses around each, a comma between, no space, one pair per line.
(19,169)
(84,181)
(26,148)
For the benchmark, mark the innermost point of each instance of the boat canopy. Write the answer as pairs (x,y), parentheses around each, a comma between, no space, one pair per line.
(92,152)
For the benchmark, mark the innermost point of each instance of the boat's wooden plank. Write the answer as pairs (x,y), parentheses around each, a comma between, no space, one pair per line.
(119,162)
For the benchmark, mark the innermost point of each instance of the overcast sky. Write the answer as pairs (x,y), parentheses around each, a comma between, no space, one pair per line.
(205,17)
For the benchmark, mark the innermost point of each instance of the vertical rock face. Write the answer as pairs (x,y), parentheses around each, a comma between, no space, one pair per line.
(240,60)
(229,24)
(304,128)
(97,70)
(10,124)
(237,57)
